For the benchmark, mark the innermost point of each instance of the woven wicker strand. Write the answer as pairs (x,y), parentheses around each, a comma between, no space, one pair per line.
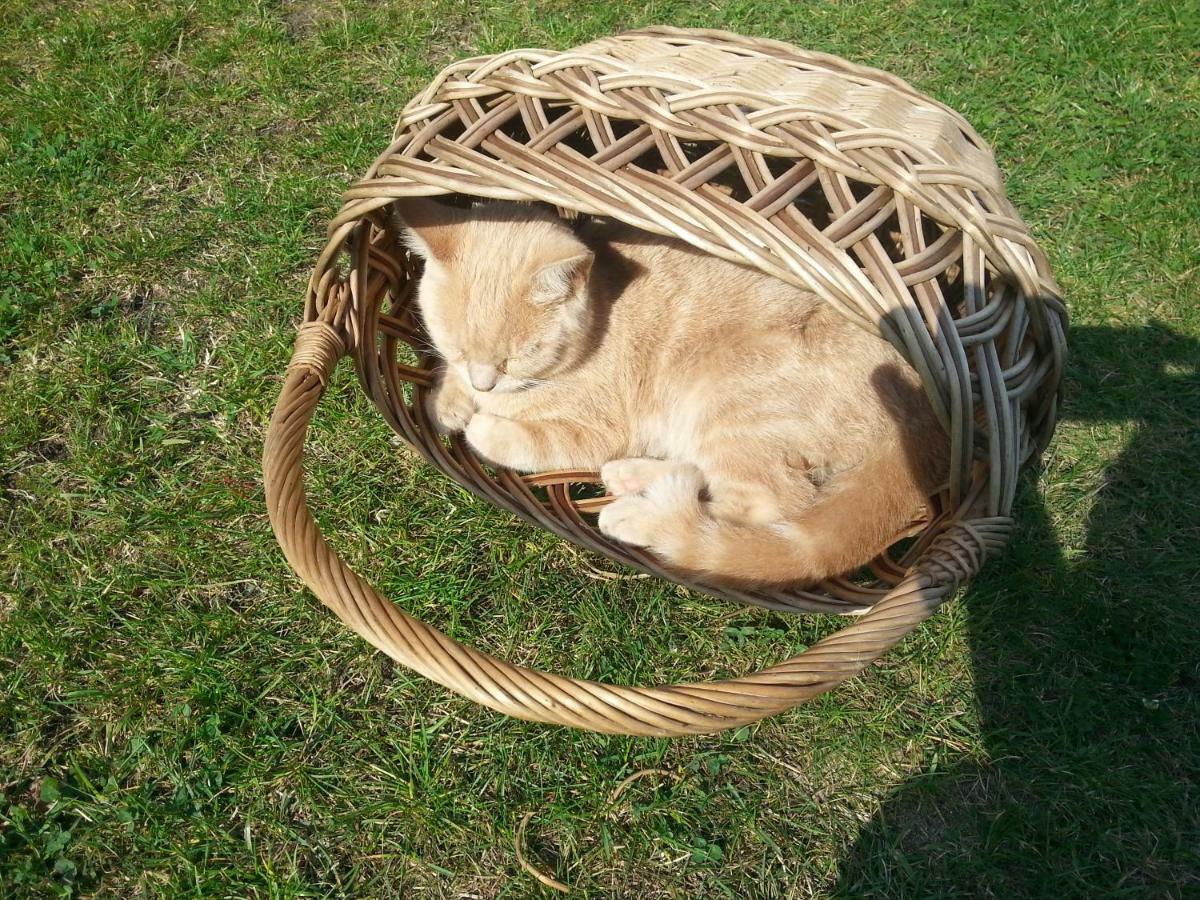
(839,179)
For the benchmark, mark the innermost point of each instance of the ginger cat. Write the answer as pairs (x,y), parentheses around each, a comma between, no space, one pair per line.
(750,434)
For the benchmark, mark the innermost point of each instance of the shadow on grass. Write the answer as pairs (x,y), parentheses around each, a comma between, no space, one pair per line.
(1085,666)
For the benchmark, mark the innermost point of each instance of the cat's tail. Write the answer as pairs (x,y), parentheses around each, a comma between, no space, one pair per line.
(858,514)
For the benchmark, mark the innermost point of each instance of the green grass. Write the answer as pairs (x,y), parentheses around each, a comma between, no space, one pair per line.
(179,717)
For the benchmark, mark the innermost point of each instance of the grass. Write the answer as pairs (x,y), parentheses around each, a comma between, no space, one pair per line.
(178,717)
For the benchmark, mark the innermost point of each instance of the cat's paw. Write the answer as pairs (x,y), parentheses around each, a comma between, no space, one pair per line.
(499,440)
(452,407)
(629,519)
(666,513)
(633,474)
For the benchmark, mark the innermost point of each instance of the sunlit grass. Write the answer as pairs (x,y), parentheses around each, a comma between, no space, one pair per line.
(178,716)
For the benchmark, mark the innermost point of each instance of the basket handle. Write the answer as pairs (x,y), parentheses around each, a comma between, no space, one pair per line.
(662,711)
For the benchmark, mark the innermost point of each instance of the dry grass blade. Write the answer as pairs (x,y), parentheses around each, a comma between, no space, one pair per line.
(529,867)
(637,776)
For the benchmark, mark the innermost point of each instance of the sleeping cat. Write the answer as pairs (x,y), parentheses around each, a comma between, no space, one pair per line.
(750,434)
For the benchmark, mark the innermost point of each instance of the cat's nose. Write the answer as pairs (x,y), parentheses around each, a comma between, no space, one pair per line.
(483,377)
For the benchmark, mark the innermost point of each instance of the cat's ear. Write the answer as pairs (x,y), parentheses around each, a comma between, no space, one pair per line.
(562,278)
(428,227)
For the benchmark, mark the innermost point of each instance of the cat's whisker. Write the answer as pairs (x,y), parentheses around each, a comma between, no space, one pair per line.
(424,345)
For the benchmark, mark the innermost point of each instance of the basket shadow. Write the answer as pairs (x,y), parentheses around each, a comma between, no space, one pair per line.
(1084,665)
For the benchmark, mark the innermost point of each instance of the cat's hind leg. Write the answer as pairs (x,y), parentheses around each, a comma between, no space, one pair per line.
(671,518)
(755,489)
(850,520)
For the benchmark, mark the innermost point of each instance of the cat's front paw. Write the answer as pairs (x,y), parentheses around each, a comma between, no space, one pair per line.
(452,407)
(499,440)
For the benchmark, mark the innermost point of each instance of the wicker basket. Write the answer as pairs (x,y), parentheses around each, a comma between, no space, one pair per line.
(836,178)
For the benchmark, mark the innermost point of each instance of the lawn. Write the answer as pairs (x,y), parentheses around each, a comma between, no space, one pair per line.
(179,717)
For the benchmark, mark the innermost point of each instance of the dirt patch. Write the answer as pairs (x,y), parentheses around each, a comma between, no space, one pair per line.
(450,40)
(49,450)
(302,20)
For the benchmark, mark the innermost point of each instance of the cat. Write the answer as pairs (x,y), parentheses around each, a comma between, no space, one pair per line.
(750,434)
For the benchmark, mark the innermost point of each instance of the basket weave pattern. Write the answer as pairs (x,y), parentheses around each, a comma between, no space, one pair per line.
(841,180)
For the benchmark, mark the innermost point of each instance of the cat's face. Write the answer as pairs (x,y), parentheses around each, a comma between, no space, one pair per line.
(503,294)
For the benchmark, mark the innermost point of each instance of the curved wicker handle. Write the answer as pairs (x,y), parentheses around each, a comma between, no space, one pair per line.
(541,697)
